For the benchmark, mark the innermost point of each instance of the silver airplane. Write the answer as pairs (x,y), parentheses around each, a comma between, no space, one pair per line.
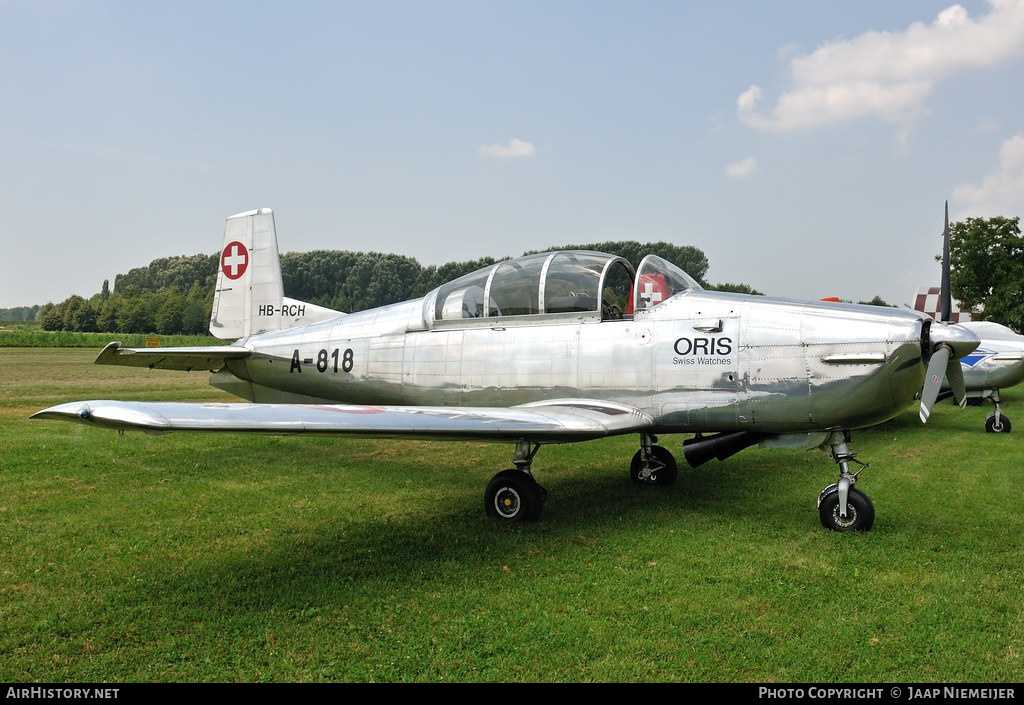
(550,348)
(997,363)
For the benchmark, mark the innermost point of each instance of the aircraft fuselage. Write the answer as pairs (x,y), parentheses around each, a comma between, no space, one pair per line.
(703,359)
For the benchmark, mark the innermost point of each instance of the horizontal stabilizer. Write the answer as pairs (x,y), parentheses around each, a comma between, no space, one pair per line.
(187,359)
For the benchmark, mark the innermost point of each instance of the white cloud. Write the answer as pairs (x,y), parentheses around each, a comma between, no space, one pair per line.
(513,148)
(888,74)
(742,169)
(1001,191)
(748,100)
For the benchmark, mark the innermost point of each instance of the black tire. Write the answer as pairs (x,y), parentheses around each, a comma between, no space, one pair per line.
(1002,427)
(513,496)
(860,512)
(664,475)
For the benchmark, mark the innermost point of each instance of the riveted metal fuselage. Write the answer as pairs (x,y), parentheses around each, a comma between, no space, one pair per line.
(698,360)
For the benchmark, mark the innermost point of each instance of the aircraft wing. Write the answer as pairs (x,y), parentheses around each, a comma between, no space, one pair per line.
(554,421)
(186,359)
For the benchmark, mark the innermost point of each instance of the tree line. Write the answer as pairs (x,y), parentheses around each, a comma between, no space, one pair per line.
(174,295)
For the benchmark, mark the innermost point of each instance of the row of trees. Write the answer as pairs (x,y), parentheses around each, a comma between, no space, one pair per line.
(132,311)
(175,294)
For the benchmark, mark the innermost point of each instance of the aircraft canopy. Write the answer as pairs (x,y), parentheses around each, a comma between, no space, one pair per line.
(573,282)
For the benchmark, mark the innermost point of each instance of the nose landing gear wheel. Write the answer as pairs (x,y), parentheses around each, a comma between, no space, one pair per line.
(860,512)
(512,495)
(1002,425)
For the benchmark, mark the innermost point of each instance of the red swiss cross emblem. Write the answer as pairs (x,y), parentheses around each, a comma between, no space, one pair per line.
(234,260)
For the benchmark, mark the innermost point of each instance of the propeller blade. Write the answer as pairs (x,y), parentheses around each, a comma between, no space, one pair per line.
(946,303)
(933,380)
(955,378)
(950,342)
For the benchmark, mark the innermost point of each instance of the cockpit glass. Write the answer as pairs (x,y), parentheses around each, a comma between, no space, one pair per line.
(463,297)
(548,282)
(658,280)
(514,286)
(571,281)
(617,289)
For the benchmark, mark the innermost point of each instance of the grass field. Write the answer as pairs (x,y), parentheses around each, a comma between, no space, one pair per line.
(240,558)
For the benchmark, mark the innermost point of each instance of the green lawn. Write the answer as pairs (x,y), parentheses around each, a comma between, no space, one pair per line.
(238,558)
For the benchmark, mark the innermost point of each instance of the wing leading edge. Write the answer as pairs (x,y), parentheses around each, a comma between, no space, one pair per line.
(552,421)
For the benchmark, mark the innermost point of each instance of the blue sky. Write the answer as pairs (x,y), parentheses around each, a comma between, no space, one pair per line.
(806,147)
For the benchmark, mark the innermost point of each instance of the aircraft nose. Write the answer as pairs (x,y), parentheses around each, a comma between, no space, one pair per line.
(943,345)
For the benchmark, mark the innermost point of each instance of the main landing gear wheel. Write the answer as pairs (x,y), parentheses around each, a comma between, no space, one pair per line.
(860,512)
(660,469)
(513,495)
(994,425)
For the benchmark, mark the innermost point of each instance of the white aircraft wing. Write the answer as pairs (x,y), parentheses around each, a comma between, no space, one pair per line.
(552,421)
(187,359)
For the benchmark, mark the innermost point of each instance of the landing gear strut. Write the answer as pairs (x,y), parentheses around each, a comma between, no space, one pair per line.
(514,495)
(841,506)
(996,422)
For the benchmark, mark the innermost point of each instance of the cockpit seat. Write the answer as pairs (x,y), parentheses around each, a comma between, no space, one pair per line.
(571,304)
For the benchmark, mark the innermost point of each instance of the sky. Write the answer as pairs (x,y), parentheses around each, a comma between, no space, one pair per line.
(806,147)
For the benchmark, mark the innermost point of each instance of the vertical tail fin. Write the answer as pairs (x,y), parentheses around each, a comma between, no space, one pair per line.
(249,298)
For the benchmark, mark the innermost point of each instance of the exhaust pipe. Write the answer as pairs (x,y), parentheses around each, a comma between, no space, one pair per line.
(701,449)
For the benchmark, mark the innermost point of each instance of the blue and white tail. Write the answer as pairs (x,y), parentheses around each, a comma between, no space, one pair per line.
(249,298)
